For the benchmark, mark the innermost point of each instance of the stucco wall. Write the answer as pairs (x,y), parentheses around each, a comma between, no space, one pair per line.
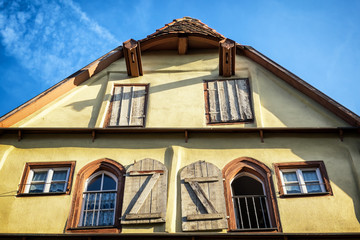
(48,214)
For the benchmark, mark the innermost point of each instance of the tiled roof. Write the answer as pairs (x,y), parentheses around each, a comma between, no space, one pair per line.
(186,25)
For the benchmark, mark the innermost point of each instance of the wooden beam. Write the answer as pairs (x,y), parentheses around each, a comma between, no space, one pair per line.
(209,216)
(227,52)
(132,55)
(183,45)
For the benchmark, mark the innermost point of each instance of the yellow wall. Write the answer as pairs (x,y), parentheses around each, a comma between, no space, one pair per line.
(178,79)
(48,214)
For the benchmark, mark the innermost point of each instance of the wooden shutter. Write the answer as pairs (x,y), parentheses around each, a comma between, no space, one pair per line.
(145,194)
(229,101)
(128,106)
(202,197)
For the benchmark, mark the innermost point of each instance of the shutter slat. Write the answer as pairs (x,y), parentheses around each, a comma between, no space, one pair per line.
(244,97)
(223,100)
(214,109)
(115,110)
(233,103)
(138,106)
(125,106)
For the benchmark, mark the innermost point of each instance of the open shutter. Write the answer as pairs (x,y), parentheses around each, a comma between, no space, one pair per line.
(229,101)
(128,106)
(145,194)
(202,197)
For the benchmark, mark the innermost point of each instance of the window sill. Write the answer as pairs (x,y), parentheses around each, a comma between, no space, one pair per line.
(101,229)
(41,194)
(305,195)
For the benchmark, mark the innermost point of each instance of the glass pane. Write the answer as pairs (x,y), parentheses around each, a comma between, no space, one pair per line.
(59,175)
(313,188)
(108,200)
(310,176)
(292,189)
(57,187)
(106,218)
(88,218)
(290,177)
(95,184)
(93,201)
(109,183)
(40,176)
(36,188)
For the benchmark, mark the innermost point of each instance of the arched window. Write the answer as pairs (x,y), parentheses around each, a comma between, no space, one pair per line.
(97,198)
(250,196)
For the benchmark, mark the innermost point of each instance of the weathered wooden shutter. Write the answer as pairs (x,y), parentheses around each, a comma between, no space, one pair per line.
(202,197)
(128,106)
(145,194)
(229,101)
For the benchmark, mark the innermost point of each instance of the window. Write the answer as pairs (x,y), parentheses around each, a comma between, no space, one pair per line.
(228,101)
(47,178)
(127,108)
(302,179)
(251,200)
(97,198)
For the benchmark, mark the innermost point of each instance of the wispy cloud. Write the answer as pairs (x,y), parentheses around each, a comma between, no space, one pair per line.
(51,39)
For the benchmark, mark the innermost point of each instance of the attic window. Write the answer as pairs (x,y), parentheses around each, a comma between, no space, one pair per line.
(127,107)
(228,101)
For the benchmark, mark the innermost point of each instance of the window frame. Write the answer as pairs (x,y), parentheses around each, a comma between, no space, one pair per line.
(207,102)
(298,168)
(31,167)
(109,111)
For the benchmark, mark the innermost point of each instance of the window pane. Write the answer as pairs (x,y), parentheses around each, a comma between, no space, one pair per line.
(292,189)
(88,219)
(36,188)
(93,201)
(39,176)
(107,200)
(57,187)
(106,218)
(290,177)
(313,188)
(109,183)
(59,175)
(310,176)
(95,184)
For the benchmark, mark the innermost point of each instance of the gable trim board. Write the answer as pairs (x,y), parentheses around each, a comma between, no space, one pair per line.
(161,40)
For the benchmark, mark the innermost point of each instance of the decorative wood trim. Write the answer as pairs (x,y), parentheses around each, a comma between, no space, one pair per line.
(182,45)
(227,53)
(257,168)
(132,55)
(74,216)
(38,165)
(297,165)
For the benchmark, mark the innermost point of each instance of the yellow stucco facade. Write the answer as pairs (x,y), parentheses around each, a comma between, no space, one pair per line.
(176,100)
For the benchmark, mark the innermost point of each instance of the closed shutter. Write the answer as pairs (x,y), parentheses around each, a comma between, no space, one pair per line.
(202,197)
(128,106)
(145,194)
(229,101)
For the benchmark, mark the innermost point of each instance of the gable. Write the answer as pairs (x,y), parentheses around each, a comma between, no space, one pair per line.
(179,79)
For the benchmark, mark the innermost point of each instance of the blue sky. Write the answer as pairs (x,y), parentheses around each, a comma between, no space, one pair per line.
(43,42)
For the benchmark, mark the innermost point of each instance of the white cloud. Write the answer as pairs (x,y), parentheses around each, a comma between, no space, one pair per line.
(53,39)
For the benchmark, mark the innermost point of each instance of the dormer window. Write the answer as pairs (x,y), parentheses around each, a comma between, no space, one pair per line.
(228,101)
(127,107)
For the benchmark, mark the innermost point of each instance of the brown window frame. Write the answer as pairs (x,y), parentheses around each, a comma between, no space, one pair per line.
(260,170)
(303,165)
(45,165)
(88,170)
(108,114)
(207,103)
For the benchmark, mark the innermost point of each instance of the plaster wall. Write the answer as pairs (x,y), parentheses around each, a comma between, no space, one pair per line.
(176,91)
(48,214)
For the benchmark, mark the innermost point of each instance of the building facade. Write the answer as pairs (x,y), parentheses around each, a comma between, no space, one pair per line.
(183,134)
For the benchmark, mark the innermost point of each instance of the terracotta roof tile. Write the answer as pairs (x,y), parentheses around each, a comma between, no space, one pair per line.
(186,25)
